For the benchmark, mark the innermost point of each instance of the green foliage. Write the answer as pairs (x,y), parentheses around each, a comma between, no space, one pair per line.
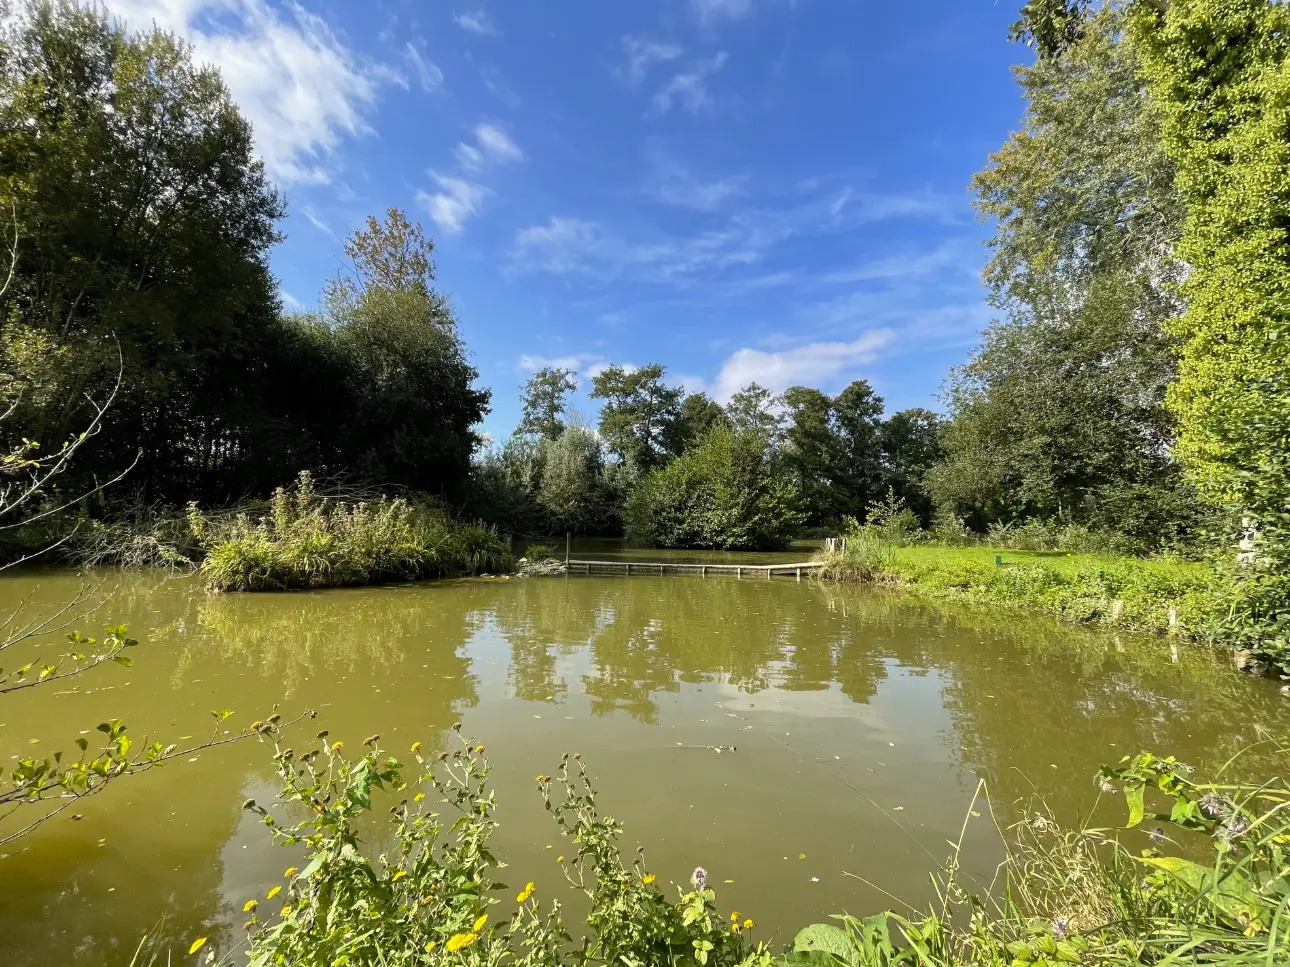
(639,418)
(304,540)
(865,558)
(543,402)
(727,492)
(1220,72)
(431,895)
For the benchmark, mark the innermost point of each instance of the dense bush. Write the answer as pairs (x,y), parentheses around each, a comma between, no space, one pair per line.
(307,541)
(728,492)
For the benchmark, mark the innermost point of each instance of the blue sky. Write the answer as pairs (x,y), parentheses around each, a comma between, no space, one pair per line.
(770,190)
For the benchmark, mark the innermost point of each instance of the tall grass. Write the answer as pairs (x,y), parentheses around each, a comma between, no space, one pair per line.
(304,540)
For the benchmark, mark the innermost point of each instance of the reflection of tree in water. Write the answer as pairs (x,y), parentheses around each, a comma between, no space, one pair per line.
(647,636)
(296,636)
(1038,706)
(543,620)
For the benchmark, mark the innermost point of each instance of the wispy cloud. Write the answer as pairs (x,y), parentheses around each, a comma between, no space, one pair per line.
(709,11)
(672,183)
(429,76)
(642,54)
(476,22)
(299,84)
(456,201)
(953,257)
(492,146)
(810,364)
(689,88)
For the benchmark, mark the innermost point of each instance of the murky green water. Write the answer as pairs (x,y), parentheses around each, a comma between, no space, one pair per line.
(862,721)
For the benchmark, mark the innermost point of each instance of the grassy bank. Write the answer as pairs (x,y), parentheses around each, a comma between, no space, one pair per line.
(1126,592)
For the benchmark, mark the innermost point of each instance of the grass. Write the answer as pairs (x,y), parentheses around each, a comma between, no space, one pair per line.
(1127,592)
(304,540)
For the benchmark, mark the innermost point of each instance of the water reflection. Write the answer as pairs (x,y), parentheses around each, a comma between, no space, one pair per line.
(862,721)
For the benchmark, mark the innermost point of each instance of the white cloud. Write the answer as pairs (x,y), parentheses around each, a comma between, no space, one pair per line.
(812,364)
(299,85)
(476,22)
(711,10)
(642,54)
(701,195)
(497,143)
(950,258)
(430,76)
(690,89)
(457,201)
(580,363)
(560,246)
(492,144)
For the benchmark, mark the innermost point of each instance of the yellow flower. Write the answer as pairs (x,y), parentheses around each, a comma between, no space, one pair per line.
(734,914)
(647,879)
(526,892)
(478,749)
(272,893)
(459,940)
(249,906)
(479,924)
(430,947)
(734,928)
(418,797)
(398,875)
(198,944)
(290,871)
(337,745)
(559,859)
(748,924)
(416,746)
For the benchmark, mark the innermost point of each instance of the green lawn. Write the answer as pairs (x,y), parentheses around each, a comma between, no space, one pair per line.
(1126,592)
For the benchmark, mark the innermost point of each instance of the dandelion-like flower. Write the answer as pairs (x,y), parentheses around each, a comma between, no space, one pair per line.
(1061,927)
(459,940)
(699,877)
(1107,787)
(647,879)
(748,924)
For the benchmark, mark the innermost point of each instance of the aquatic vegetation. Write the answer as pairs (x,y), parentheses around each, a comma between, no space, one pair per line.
(304,540)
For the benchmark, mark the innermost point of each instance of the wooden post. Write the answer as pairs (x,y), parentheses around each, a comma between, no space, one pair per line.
(629,568)
(739,572)
(568,542)
(799,574)
(703,570)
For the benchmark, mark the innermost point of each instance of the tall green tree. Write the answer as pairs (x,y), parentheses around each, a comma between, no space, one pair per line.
(810,452)
(144,222)
(755,409)
(911,446)
(858,470)
(573,491)
(698,416)
(1220,72)
(413,405)
(544,399)
(638,419)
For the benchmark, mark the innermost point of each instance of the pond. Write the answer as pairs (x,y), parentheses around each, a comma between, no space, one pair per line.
(860,722)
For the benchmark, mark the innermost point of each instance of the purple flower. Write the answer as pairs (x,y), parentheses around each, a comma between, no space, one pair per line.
(1238,825)
(1215,806)
(699,877)
(1060,928)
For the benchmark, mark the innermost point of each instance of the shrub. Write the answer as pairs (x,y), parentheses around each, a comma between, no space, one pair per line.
(866,556)
(540,552)
(729,491)
(308,541)
(1215,882)
(429,896)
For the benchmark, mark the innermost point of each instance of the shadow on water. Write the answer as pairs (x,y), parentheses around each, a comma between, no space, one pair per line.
(861,721)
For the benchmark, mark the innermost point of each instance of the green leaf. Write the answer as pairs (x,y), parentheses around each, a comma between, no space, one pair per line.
(824,938)
(1133,796)
(1230,893)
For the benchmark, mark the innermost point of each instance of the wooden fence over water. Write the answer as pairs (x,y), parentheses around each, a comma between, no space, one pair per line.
(766,571)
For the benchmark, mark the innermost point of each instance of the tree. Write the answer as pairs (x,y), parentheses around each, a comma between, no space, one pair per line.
(698,416)
(412,404)
(911,446)
(639,417)
(756,409)
(857,472)
(146,222)
(573,489)
(543,401)
(1220,73)
(728,492)
(1062,406)
(810,452)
